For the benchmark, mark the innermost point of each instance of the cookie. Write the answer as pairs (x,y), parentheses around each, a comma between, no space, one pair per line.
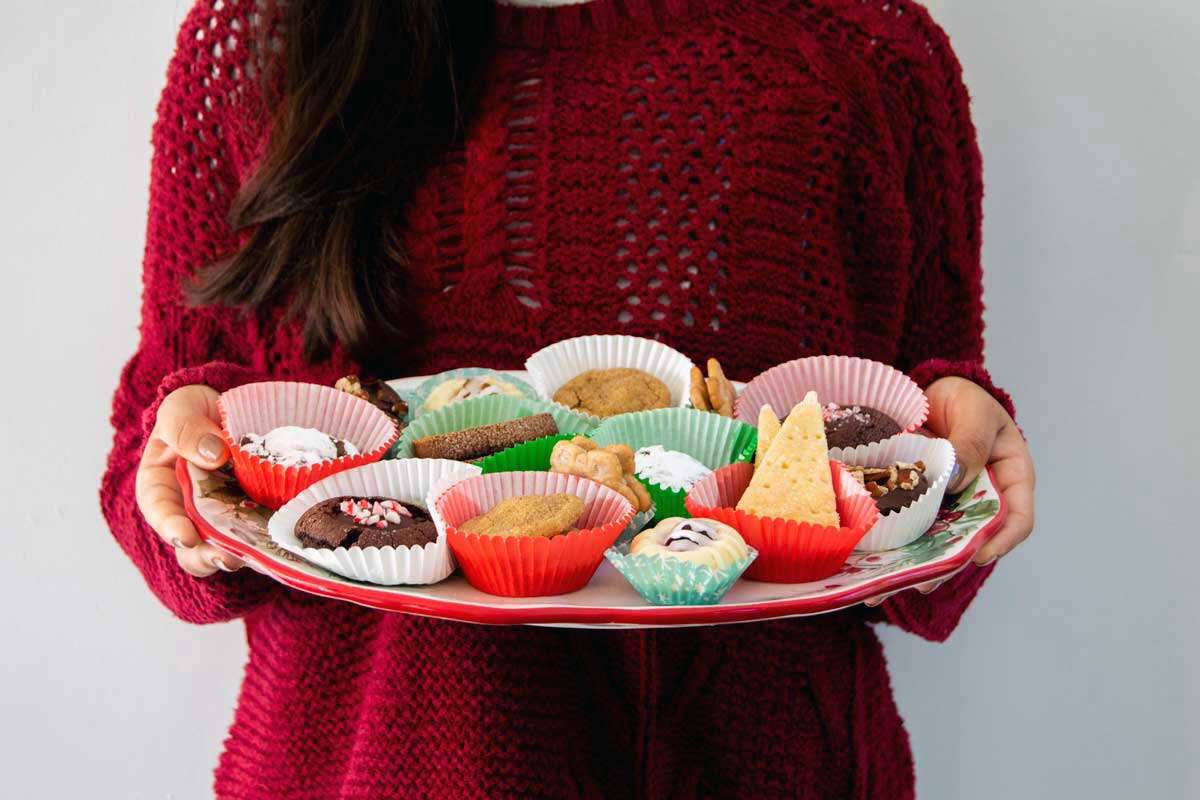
(607,392)
(378,394)
(364,522)
(894,487)
(699,391)
(793,481)
(704,542)
(670,469)
(293,446)
(714,393)
(611,466)
(455,390)
(768,426)
(851,426)
(470,444)
(542,516)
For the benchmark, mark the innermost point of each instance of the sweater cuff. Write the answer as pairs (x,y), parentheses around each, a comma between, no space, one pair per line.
(929,371)
(217,598)
(219,375)
(932,616)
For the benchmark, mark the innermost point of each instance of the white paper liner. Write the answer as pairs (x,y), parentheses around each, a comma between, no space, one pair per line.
(845,380)
(406,480)
(908,524)
(551,367)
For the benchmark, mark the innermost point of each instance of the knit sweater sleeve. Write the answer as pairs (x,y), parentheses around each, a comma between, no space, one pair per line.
(943,330)
(192,184)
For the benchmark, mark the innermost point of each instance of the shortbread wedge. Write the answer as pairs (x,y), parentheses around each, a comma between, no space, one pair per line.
(768,426)
(793,481)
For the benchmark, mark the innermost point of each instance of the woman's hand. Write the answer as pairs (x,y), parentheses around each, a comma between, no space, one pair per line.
(983,434)
(187,425)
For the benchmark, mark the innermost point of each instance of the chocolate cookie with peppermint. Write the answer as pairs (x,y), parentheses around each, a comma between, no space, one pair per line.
(364,522)
(850,426)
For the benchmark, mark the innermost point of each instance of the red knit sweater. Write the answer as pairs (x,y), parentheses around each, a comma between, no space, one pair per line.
(755,183)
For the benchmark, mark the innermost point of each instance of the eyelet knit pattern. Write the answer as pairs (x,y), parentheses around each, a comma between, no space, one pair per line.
(754,181)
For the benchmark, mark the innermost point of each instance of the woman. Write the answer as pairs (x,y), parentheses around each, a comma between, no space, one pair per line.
(403,188)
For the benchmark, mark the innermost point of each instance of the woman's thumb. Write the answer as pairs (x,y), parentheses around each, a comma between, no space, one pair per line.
(187,422)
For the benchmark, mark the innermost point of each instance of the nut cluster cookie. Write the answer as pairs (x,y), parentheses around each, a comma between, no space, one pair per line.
(612,466)
(894,487)
(378,394)
(607,392)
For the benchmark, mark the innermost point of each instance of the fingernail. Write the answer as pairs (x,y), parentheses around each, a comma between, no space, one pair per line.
(955,476)
(989,562)
(211,448)
(178,544)
(931,589)
(220,564)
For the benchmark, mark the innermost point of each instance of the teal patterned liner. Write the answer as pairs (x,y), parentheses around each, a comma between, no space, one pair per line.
(711,439)
(417,397)
(673,582)
(639,523)
(484,411)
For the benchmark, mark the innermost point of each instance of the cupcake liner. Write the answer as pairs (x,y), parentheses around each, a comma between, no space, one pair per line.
(908,524)
(844,380)
(788,551)
(534,456)
(521,566)
(486,410)
(641,520)
(531,456)
(261,407)
(417,397)
(551,367)
(406,480)
(709,438)
(674,582)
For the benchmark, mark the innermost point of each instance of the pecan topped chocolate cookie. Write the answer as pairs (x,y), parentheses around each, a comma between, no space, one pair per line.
(894,487)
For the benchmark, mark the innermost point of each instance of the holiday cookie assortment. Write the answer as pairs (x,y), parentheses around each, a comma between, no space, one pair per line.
(617,448)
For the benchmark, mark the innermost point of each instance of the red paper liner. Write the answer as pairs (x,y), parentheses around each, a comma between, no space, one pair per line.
(521,566)
(788,551)
(260,407)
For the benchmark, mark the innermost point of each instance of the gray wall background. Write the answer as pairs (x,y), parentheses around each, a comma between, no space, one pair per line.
(1074,674)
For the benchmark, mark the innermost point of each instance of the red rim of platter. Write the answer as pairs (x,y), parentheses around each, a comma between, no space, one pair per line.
(400,599)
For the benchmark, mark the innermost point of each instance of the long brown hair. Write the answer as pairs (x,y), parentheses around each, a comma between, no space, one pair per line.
(365,94)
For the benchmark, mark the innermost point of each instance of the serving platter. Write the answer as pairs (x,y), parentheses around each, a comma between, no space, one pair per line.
(229,520)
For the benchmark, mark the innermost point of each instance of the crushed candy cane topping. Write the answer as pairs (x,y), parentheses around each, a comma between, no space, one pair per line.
(377,514)
(834,413)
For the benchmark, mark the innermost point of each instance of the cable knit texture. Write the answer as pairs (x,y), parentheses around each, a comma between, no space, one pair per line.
(761,183)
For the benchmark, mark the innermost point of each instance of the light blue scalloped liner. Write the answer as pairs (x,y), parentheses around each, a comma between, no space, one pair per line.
(636,525)
(673,582)
(417,397)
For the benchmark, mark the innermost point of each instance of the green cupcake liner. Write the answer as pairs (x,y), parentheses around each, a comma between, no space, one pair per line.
(533,455)
(417,397)
(672,582)
(711,439)
(484,411)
